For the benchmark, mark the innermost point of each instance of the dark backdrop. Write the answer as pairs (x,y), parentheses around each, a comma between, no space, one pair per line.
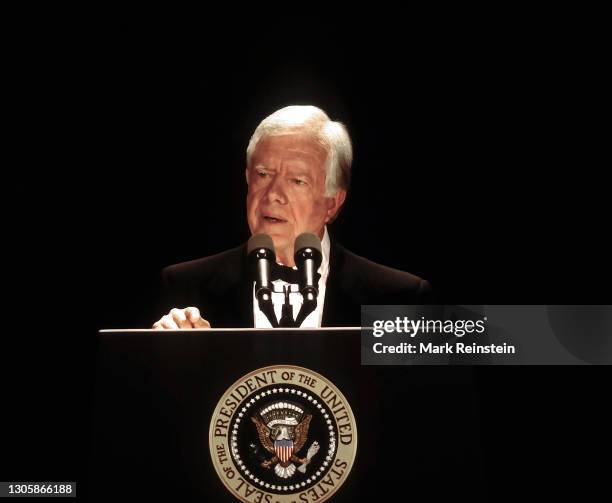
(477,166)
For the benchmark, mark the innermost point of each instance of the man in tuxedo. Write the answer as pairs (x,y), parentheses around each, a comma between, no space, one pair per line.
(298,174)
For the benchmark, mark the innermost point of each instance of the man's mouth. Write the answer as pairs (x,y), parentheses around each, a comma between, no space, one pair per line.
(274,220)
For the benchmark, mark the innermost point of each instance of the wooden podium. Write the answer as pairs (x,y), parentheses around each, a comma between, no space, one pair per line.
(418,429)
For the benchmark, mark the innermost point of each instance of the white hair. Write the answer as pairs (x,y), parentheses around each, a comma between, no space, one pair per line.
(332,135)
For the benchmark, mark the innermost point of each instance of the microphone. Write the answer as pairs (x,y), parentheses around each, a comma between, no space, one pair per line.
(308,258)
(260,250)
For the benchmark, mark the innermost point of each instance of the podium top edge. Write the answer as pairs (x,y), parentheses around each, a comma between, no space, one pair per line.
(230,330)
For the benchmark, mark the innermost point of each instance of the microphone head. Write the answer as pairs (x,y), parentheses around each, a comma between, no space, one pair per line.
(261,254)
(259,241)
(307,241)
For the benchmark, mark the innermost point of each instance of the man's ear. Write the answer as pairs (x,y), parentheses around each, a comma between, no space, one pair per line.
(246,174)
(334,203)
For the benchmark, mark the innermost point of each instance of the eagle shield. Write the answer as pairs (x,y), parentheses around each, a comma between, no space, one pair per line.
(283,449)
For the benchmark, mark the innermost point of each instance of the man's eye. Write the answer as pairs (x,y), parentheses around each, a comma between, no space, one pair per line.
(262,174)
(299,181)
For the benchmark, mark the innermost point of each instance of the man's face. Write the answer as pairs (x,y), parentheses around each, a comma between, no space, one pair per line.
(286,194)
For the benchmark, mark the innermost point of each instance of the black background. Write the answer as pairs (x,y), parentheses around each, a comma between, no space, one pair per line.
(477,166)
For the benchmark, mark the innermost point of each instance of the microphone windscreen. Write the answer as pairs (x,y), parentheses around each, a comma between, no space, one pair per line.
(260,241)
(307,240)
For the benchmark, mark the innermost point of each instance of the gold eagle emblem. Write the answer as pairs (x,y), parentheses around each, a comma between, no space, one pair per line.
(282,429)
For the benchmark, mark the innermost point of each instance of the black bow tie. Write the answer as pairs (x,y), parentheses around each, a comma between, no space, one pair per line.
(285,273)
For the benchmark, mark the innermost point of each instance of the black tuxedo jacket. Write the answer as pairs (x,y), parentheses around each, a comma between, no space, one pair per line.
(221,287)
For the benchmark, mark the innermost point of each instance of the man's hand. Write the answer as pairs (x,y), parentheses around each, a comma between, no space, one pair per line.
(181,318)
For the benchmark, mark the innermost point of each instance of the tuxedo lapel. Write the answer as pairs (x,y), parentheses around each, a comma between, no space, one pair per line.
(228,296)
(242,297)
(338,308)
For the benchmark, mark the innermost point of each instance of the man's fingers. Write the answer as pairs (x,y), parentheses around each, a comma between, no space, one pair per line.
(193,315)
(201,323)
(168,323)
(179,317)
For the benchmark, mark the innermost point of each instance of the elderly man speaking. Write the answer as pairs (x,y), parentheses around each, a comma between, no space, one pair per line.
(298,173)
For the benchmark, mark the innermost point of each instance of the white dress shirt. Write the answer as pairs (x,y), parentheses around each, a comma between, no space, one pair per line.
(313,320)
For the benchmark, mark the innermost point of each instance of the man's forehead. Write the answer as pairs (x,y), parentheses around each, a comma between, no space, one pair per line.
(296,144)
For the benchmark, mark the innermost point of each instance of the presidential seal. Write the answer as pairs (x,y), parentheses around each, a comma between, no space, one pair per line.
(283,434)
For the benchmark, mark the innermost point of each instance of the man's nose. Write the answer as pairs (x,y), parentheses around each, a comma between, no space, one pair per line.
(277,190)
